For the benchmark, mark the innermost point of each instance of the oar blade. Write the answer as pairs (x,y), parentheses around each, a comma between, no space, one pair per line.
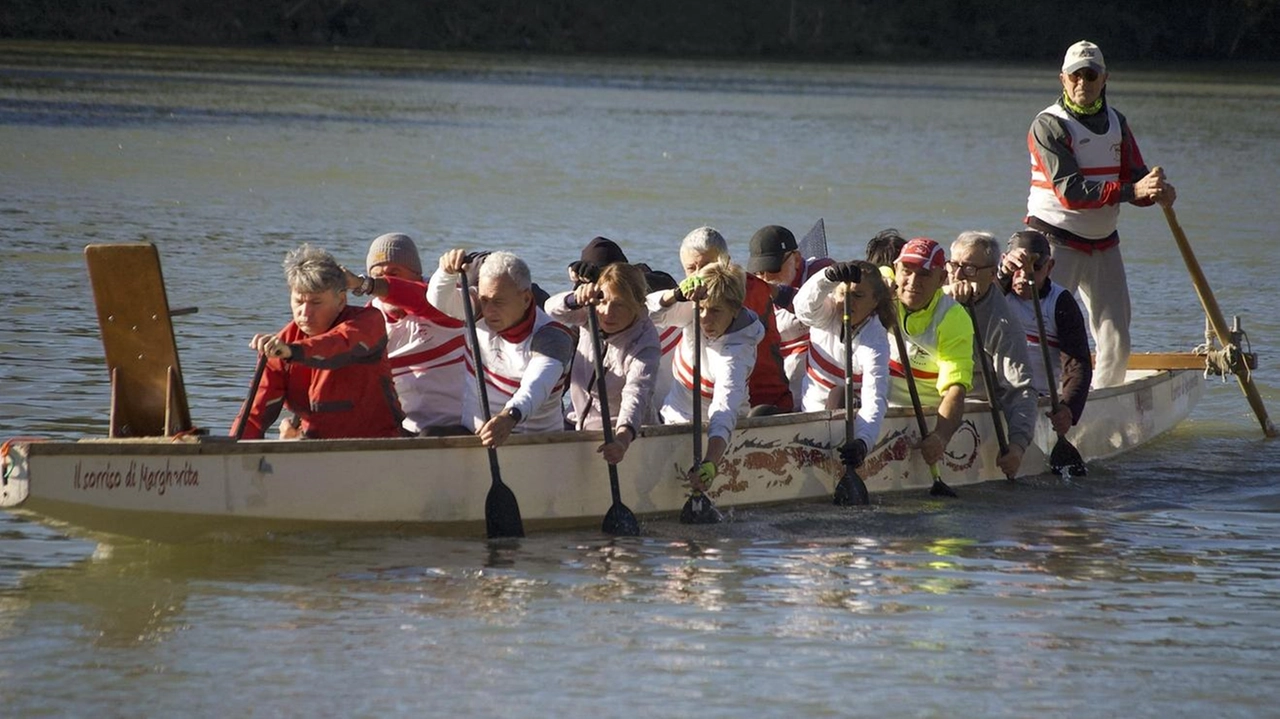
(851,491)
(620,521)
(502,512)
(1065,457)
(940,488)
(698,509)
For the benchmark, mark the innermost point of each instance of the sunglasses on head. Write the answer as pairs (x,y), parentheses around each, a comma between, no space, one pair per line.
(1087,74)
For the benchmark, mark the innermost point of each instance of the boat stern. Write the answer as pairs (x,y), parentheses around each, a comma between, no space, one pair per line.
(15,483)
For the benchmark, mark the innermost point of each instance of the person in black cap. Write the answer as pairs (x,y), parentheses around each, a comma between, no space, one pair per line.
(775,258)
(1028,257)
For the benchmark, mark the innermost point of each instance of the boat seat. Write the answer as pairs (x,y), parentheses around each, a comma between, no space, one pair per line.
(147,395)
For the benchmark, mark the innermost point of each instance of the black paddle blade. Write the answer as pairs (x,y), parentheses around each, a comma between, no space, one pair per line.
(502,512)
(941,489)
(620,521)
(699,510)
(851,490)
(1066,456)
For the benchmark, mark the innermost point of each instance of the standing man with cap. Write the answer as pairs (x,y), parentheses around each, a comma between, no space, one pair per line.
(426,347)
(939,339)
(1028,259)
(1084,163)
(775,258)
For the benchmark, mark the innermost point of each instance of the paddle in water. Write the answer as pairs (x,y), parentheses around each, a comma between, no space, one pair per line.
(1064,456)
(698,509)
(989,379)
(850,490)
(501,510)
(939,488)
(619,520)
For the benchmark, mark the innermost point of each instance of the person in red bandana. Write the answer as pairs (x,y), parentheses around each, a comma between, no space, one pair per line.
(526,354)
(426,347)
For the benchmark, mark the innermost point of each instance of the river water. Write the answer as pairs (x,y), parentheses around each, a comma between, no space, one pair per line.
(1149,588)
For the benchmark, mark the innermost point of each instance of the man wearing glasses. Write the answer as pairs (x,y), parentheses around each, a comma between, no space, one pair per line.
(1084,163)
(975,257)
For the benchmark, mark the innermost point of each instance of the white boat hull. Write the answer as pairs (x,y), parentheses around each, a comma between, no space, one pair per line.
(157,486)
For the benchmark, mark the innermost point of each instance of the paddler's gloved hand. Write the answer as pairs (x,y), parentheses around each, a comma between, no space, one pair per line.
(844,272)
(700,476)
(581,271)
(854,453)
(690,288)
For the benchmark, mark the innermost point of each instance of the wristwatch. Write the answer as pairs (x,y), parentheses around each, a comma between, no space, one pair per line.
(515,414)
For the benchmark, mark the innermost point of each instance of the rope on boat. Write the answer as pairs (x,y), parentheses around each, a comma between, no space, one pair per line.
(1230,360)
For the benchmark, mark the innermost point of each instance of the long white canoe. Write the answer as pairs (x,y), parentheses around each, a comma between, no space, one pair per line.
(197,485)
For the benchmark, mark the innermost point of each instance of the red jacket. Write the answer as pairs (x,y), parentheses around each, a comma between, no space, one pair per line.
(767,383)
(338,382)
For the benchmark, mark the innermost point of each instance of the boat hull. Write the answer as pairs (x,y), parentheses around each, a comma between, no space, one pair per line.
(151,487)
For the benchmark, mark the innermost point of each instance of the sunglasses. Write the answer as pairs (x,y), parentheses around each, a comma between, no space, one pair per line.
(1088,74)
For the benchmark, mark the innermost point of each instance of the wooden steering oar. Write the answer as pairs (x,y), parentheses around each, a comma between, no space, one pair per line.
(1214,313)
(698,508)
(501,510)
(619,520)
(1064,454)
(989,379)
(939,488)
(850,490)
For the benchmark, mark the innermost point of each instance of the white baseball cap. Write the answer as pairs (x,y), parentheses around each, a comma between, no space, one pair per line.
(1081,55)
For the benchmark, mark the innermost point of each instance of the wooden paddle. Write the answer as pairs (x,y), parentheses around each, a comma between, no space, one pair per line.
(253,392)
(989,379)
(619,520)
(1214,313)
(939,488)
(501,510)
(698,508)
(1064,454)
(850,490)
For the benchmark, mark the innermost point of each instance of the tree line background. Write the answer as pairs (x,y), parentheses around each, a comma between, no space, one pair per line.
(1144,30)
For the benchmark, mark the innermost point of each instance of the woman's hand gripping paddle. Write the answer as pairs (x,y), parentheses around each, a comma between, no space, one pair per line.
(501,510)
(619,520)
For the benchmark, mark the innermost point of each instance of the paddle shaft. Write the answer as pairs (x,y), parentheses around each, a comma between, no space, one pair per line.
(847,326)
(989,378)
(1216,319)
(697,385)
(593,325)
(253,392)
(911,380)
(502,512)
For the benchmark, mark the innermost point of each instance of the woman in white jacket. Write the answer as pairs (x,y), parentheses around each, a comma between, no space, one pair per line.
(631,354)
(820,305)
(730,334)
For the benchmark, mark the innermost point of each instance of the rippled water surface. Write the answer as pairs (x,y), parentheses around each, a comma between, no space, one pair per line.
(1148,589)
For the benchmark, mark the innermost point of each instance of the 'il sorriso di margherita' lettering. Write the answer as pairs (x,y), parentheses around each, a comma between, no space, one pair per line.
(138,476)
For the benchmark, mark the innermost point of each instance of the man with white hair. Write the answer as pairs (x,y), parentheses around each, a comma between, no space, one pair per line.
(1084,163)
(526,354)
(975,258)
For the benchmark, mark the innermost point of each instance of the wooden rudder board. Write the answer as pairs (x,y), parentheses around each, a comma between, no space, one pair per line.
(147,395)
